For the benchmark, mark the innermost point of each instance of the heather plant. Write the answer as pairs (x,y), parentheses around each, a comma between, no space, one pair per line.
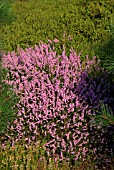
(46,105)
(48,108)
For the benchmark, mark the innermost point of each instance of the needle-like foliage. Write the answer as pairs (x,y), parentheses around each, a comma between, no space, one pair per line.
(105,117)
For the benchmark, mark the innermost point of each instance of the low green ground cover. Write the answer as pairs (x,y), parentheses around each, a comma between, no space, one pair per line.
(83,25)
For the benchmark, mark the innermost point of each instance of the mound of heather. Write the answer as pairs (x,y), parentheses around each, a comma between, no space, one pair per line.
(48,104)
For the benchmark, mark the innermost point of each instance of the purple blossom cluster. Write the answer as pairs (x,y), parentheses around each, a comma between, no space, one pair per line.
(96,85)
(48,105)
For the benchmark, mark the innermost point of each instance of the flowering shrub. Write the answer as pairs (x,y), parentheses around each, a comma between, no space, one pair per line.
(48,105)
(96,85)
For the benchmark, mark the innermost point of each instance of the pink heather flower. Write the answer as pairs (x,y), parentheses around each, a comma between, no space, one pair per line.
(56,40)
(67,135)
(3,146)
(77,156)
(50,41)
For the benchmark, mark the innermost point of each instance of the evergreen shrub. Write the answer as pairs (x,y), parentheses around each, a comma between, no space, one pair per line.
(48,105)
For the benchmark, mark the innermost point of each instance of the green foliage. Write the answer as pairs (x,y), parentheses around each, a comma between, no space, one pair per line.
(6,16)
(106,52)
(8,101)
(6,13)
(103,118)
(8,98)
(78,24)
